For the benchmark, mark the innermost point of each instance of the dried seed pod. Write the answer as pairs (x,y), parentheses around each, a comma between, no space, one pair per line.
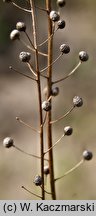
(46,105)
(61,3)
(15,34)
(65,49)
(37,180)
(87,155)
(54,16)
(61,24)
(46,170)
(83,56)
(77,101)
(21,26)
(25,56)
(8,142)
(68,130)
(55,91)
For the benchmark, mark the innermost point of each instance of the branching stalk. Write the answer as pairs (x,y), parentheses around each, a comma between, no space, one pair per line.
(49,86)
(32,4)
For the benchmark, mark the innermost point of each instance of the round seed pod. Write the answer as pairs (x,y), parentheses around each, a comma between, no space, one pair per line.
(83,56)
(65,49)
(61,3)
(37,180)
(77,101)
(21,26)
(15,34)
(54,16)
(46,170)
(87,155)
(68,130)
(8,142)
(46,105)
(55,91)
(61,24)
(25,56)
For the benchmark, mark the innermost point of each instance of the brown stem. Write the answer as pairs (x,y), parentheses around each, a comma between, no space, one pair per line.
(49,85)
(32,4)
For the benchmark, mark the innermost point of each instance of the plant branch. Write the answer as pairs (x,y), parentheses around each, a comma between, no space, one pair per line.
(21,8)
(70,74)
(27,125)
(51,63)
(32,155)
(54,144)
(49,87)
(71,170)
(23,187)
(32,4)
(14,70)
(66,114)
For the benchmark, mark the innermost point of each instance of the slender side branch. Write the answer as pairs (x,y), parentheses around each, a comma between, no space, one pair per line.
(47,38)
(11,68)
(51,63)
(27,125)
(66,114)
(71,170)
(70,74)
(32,155)
(29,47)
(31,69)
(21,8)
(29,40)
(23,187)
(54,144)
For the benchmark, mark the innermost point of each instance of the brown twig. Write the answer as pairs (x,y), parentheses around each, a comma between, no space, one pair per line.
(32,4)
(49,86)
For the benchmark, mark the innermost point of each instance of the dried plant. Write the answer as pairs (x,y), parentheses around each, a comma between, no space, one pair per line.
(55,23)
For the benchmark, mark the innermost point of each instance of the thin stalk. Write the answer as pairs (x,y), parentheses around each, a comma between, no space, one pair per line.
(63,116)
(71,170)
(21,8)
(70,74)
(29,154)
(49,86)
(32,4)
(23,187)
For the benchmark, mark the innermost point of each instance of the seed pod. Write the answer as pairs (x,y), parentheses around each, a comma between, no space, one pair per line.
(77,101)
(8,142)
(54,16)
(68,130)
(61,3)
(25,56)
(55,91)
(46,105)
(83,56)
(21,26)
(87,155)
(46,170)
(15,34)
(61,24)
(65,49)
(37,180)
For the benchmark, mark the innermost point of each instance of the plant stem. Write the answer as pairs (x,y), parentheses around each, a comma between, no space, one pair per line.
(49,86)
(32,4)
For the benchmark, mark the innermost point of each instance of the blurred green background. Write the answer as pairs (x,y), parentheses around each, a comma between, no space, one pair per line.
(18,97)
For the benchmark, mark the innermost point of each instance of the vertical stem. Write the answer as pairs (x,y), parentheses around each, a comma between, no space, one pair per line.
(32,4)
(49,85)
